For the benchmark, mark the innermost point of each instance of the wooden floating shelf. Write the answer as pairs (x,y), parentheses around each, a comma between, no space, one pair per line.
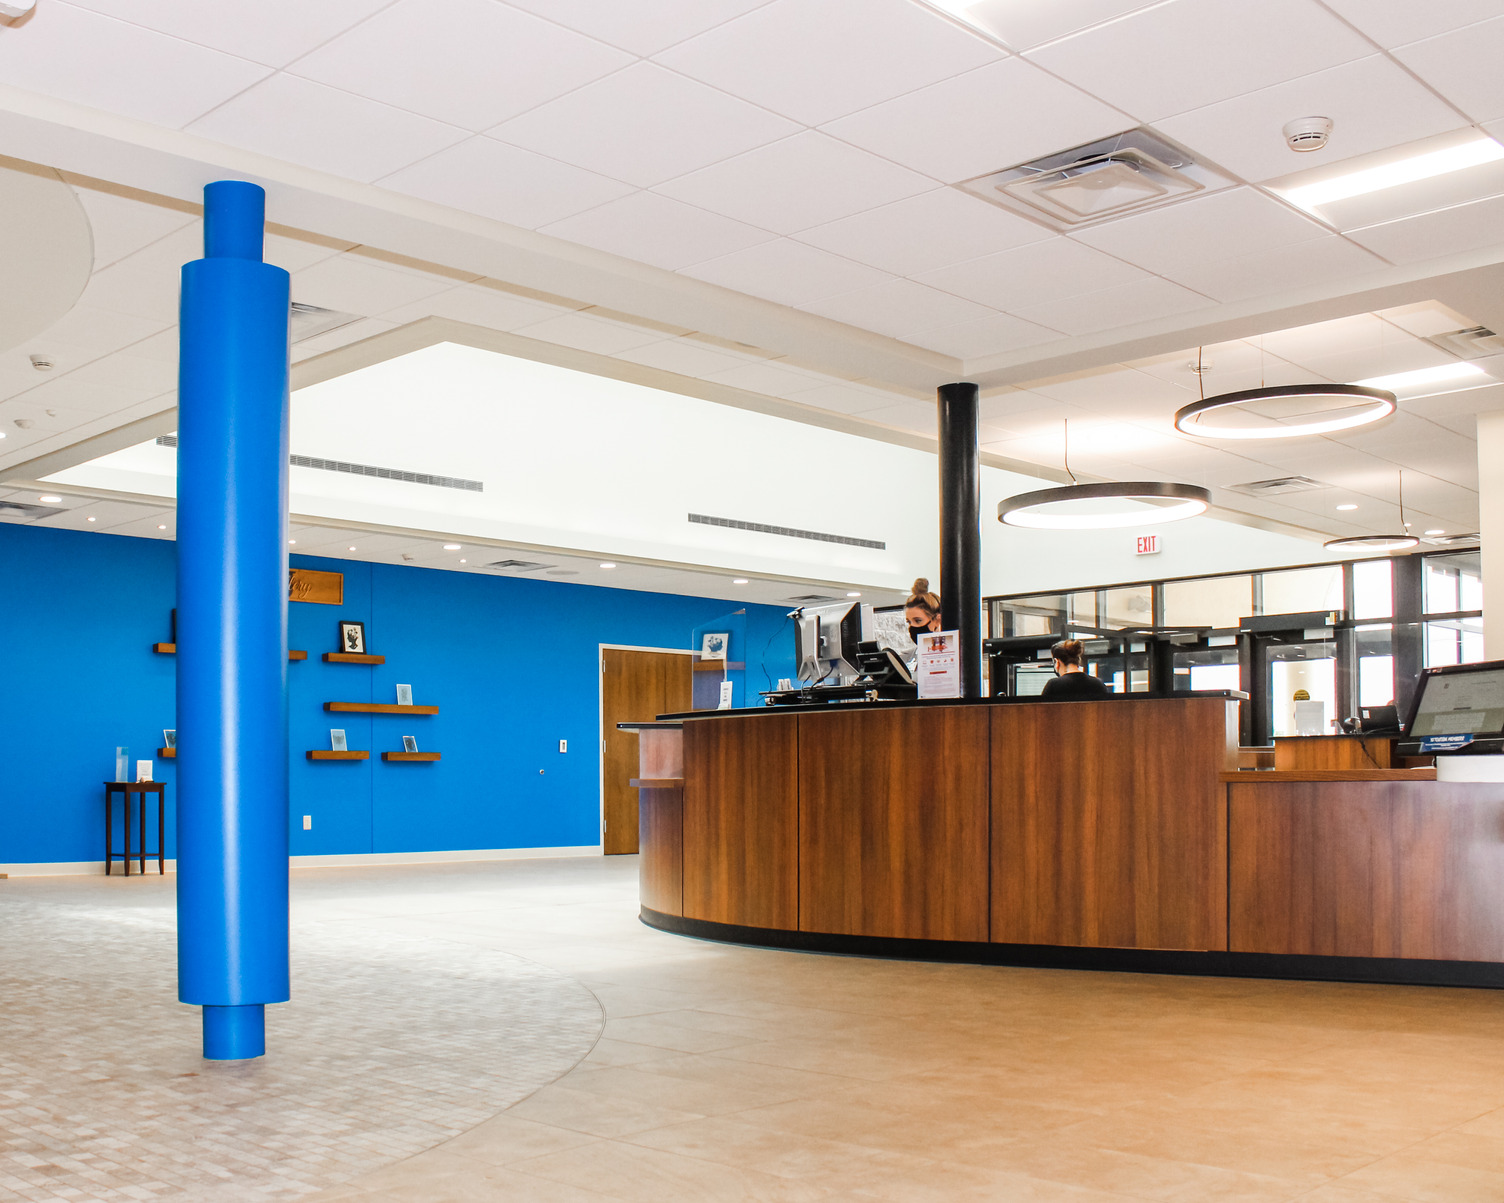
(377,708)
(171,649)
(713,666)
(167,753)
(409,756)
(327,755)
(352,658)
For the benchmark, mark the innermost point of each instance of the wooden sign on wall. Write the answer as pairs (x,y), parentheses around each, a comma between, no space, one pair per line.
(309,585)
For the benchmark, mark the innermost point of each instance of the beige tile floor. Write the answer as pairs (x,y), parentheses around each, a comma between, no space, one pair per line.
(729,1073)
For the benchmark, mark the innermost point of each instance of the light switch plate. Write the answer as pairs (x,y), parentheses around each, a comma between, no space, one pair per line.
(563,745)
(307,822)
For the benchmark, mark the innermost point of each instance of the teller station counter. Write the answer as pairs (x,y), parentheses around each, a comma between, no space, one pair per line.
(1115,834)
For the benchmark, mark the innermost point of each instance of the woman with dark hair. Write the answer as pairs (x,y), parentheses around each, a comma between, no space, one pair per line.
(922,610)
(1072,682)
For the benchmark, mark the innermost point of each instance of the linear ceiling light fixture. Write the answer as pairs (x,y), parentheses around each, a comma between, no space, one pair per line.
(1401,542)
(1130,503)
(1425,166)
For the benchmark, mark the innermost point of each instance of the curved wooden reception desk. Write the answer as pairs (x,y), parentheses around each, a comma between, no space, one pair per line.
(1114,834)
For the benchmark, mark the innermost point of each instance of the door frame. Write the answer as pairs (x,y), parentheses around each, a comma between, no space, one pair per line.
(600,720)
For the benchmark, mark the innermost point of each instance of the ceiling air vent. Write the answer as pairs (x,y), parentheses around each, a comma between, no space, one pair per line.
(517,565)
(307,320)
(1123,174)
(1278,487)
(1452,540)
(810,599)
(1475,343)
(28,513)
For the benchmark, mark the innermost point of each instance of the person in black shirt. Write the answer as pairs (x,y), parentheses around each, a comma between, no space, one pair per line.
(1072,682)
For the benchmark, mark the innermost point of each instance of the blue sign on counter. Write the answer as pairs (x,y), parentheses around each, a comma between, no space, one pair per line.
(1443,743)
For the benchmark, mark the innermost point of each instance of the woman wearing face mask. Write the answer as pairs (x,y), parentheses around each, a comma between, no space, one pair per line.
(922,610)
(1072,682)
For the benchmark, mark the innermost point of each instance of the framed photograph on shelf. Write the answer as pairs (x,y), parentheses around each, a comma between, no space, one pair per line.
(404,695)
(409,743)
(713,645)
(337,740)
(352,638)
(169,738)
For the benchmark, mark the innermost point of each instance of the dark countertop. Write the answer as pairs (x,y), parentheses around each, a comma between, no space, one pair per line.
(673,720)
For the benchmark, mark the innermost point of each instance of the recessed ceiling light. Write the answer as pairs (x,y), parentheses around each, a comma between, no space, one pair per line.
(96,520)
(1347,505)
(741,580)
(49,498)
(292,543)
(1429,532)
(161,526)
(2,434)
(853,594)
(451,547)
(1427,165)
(464,561)
(608,565)
(1426,381)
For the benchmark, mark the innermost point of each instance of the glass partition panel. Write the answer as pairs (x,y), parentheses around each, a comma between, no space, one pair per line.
(1375,646)
(1303,589)
(1454,583)
(1373,589)
(1131,607)
(1308,669)
(1214,601)
(1454,641)
(1038,615)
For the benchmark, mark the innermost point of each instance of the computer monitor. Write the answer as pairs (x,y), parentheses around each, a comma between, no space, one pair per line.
(826,639)
(1460,699)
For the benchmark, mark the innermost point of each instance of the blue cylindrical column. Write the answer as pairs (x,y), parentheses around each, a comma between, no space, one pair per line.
(232,627)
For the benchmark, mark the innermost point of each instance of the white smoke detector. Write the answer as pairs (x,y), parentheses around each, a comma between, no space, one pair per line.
(1306,134)
(43,363)
(16,8)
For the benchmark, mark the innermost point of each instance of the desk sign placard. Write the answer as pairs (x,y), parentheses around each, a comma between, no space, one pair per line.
(1443,743)
(938,669)
(1146,545)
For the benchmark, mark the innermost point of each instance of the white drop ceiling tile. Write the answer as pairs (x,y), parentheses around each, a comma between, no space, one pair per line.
(122,225)
(799,182)
(906,415)
(107,515)
(1123,305)
(1323,260)
(1114,389)
(506,183)
(352,284)
(587,333)
(1463,66)
(925,232)
(1448,232)
(273,32)
(162,346)
(1373,104)
(981,337)
(1393,23)
(771,379)
(658,230)
(145,284)
(1425,318)
(85,333)
(1035,274)
(141,376)
(324,128)
(969,125)
(369,327)
(1186,54)
(1224,225)
(644,125)
(108,64)
(683,356)
(644,29)
(294,254)
(71,398)
(1299,344)
(146,528)
(785,271)
(1399,354)
(846,398)
(479,305)
(816,60)
(1024,26)
(899,308)
(470,63)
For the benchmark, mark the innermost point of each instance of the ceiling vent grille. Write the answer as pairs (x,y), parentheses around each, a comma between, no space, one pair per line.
(305,321)
(338,465)
(517,565)
(1278,487)
(788,532)
(20,509)
(1475,343)
(1452,540)
(810,599)
(1111,178)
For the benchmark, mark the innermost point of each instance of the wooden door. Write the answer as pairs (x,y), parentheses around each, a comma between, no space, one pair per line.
(634,686)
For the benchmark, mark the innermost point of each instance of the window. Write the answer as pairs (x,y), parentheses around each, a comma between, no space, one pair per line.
(1213,601)
(1454,641)
(1133,607)
(1454,583)
(1373,589)
(1303,590)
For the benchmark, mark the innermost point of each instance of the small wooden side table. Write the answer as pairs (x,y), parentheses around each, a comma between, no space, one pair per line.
(125,789)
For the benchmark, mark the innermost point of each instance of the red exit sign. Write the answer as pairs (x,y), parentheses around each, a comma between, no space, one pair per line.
(1146,545)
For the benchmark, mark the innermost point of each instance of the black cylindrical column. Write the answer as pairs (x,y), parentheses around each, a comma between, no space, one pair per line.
(961,528)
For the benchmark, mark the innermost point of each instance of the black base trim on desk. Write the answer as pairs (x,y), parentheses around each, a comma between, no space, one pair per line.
(1388,970)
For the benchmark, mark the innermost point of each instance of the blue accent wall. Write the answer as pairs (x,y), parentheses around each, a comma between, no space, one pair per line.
(512,664)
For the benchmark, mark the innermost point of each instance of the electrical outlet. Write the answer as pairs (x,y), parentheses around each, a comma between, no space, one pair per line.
(307,822)
(563,745)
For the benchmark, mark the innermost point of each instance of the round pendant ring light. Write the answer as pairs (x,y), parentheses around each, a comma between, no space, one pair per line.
(1371,405)
(1031,509)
